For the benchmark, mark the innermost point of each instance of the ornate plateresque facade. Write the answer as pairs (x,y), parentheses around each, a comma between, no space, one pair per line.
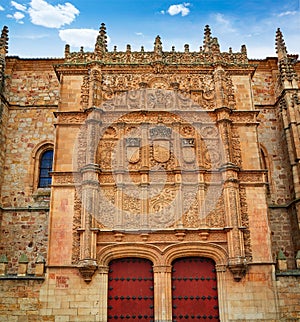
(184,161)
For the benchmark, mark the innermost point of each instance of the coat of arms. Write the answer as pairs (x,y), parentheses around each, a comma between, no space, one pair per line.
(161,136)
(133,150)
(188,150)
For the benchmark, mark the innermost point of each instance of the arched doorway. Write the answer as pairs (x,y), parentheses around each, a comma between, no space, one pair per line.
(194,290)
(130,290)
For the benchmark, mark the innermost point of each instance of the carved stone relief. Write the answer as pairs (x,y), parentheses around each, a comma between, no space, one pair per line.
(199,90)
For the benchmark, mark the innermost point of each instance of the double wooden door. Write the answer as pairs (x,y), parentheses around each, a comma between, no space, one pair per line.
(194,290)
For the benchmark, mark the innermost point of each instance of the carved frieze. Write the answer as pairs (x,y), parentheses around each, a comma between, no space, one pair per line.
(70,117)
(167,57)
(121,91)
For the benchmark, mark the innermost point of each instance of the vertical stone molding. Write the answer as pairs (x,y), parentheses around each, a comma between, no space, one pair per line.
(162,293)
(103,281)
(90,193)
(237,261)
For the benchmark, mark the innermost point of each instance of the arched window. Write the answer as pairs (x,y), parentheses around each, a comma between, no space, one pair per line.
(45,167)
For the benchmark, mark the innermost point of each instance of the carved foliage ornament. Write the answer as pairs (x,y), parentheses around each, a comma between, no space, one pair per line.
(197,89)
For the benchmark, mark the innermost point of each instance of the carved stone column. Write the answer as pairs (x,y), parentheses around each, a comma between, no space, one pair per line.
(90,192)
(162,293)
(90,195)
(235,239)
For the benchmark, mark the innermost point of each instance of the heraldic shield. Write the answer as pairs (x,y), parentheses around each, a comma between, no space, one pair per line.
(133,150)
(161,150)
(161,136)
(188,150)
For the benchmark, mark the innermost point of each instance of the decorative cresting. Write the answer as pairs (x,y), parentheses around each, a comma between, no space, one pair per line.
(209,54)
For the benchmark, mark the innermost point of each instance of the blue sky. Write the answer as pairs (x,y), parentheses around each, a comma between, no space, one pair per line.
(41,28)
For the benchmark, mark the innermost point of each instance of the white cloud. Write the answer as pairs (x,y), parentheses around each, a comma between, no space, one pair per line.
(44,14)
(162,12)
(1,8)
(80,37)
(31,37)
(18,16)
(224,24)
(182,8)
(139,34)
(287,13)
(18,6)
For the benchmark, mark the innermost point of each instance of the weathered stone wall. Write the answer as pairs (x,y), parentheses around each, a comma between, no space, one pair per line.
(274,148)
(20,301)
(31,82)
(28,123)
(280,225)
(26,129)
(23,232)
(289,298)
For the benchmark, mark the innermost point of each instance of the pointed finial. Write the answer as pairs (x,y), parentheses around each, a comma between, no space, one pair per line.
(244,50)
(67,50)
(280,45)
(101,43)
(158,45)
(4,41)
(207,38)
(215,47)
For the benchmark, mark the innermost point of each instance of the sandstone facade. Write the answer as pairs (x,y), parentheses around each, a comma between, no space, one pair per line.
(177,160)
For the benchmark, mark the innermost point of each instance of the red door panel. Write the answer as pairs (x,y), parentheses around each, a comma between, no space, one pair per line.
(130,290)
(194,290)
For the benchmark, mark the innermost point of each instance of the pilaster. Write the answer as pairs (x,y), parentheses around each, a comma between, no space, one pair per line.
(103,282)
(162,293)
